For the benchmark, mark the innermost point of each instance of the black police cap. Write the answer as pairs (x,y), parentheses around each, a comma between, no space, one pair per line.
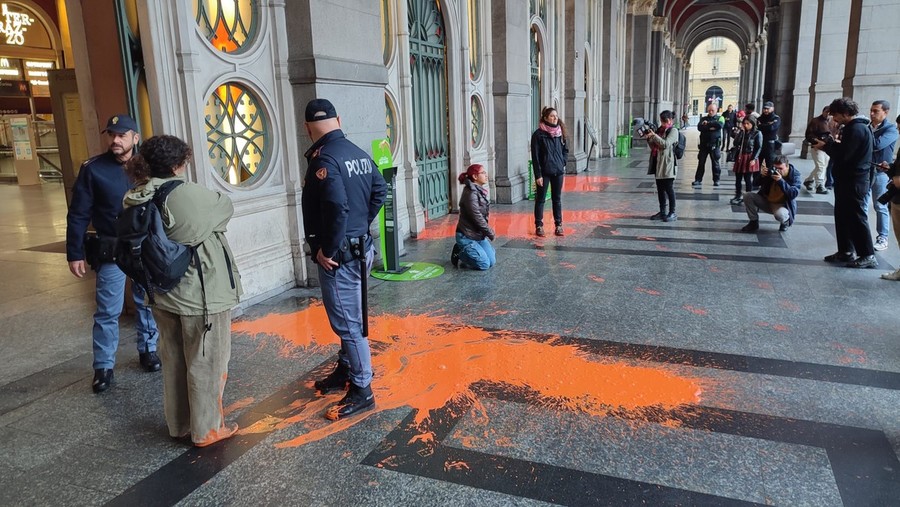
(319,109)
(120,124)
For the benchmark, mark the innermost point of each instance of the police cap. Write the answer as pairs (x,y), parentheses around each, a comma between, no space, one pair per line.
(319,109)
(120,123)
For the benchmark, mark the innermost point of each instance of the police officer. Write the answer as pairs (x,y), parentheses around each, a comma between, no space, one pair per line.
(342,193)
(97,199)
(710,128)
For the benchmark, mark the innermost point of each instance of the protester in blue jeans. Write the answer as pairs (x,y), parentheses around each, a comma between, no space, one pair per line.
(97,200)
(473,247)
(885,135)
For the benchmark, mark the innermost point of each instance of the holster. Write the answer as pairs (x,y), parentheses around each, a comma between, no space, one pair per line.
(99,250)
(354,248)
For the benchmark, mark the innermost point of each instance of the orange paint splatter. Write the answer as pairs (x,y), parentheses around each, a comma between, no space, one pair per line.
(850,355)
(646,238)
(715,269)
(568,265)
(519,225)
(455,465)
(586,183)
(427,361)
(774,327)
(698,256)
(662,248)
(648,291)
(595,278)
(243,403)
(764,285)
(789,305)
(541,253)
(695,311)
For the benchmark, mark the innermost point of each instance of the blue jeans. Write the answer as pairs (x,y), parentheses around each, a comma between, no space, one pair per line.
(474,254)
(883,217)
(342,297)
(110,298)
(829,179)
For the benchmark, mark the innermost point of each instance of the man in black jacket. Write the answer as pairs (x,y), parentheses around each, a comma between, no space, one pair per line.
(852,165)
(710,127)
(769,123)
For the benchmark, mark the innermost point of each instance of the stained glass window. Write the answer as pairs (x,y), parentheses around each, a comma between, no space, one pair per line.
(474,39)
(229,25)
(477,121)
(237,131)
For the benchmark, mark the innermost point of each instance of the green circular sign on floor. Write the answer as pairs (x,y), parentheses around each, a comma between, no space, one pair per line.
(416,271)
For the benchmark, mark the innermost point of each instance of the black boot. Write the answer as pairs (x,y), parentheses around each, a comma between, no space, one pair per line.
(103,378)
(357,399)
(335,381)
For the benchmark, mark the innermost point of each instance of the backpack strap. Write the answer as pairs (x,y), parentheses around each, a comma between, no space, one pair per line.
(163,191)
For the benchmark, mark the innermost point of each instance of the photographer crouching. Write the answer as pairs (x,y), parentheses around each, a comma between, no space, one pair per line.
(778,191)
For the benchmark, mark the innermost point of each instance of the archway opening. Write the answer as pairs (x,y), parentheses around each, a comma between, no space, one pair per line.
(714,76)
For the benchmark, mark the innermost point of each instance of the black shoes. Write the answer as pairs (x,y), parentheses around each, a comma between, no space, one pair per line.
(808,185)
(102,380)
(671,217)
(539,231)
(454,255)
(783,227)
(659,216)
(738,200)
(840,257)
(697,184)
(822,191)
(867,262)
(150,361)
(752,226)
(337,380)
(715,183)
(559,231)
(357,400)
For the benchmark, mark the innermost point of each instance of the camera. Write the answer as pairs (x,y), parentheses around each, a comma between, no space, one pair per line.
(826,138)
(888,194)
(646,128)
(772,170)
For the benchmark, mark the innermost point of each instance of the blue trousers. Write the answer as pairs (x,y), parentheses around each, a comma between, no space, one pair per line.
(882,216)
(110,299)
(474,254)
(342,297)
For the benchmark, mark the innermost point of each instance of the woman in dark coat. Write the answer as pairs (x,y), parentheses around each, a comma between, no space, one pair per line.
(473,247)
(549,152)
(747,144)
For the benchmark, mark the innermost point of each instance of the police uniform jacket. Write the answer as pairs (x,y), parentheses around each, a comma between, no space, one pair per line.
(342,193)
(769,124)
(96,199)
(710,127)
(196,216)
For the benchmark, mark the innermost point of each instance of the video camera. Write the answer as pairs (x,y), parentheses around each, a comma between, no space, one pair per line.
(646,128)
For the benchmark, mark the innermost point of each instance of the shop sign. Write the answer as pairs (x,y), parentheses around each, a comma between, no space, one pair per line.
(14,25)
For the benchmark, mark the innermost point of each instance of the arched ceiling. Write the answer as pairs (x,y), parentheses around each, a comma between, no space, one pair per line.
(692,21)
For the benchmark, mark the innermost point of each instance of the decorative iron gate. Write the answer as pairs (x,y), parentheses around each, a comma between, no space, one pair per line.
(427,54)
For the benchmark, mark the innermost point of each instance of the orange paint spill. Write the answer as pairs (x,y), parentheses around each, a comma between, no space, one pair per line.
(696,311)
(774,327)
(595,278)
(455,465)
(698,256)
(586,183)
(568,265)
(428,361)
(242,403)
(510,225)
(648,291)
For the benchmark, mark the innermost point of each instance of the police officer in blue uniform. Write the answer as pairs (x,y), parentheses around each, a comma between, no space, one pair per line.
(342,193)
(97,199)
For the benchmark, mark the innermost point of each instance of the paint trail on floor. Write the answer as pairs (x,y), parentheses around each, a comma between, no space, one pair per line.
(510,225)
(648,291)
(427,362)
(696,310)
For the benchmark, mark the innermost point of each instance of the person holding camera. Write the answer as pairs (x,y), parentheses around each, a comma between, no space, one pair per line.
(473,247)
(892,196)
(549,152)
(778,191)
(710,127)
(97,200)
(747,144)
(820,127)
(852,158)
(663,164)
(885,136)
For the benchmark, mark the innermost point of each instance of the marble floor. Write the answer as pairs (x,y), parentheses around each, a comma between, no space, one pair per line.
(630,362)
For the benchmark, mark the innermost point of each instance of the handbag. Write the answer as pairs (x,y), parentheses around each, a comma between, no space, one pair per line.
(731,155)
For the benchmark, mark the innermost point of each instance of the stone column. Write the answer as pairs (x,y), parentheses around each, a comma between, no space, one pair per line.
(511,62)
(612,82)
(641,59)
(573,89)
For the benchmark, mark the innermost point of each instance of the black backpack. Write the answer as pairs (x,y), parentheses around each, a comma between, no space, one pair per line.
(144,252)
(678,149)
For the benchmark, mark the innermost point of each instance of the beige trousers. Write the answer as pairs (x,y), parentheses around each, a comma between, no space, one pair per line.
(194,372)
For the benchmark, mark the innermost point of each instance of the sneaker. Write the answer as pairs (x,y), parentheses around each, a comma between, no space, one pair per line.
(866,262)
(895,276)
(822,190)
(659,216)
(736,201)
(539,230)
(808,185)
(559,231)
(357,400)
(337,380)
(150,361)
(881,244)
(671,217)
(839,257)
(752,226)
(454,255)
(217,435)
(103,378)
(715,183)
(696,184)
(783,227)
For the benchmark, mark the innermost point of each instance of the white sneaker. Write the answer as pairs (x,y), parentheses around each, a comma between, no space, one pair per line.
(881,244)
(895,276)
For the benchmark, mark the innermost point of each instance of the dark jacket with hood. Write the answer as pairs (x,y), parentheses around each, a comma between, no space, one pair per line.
(548,154)
(853,155)
(790,185)
(474,209)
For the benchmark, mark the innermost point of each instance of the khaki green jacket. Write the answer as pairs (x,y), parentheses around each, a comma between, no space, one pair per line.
(196,216)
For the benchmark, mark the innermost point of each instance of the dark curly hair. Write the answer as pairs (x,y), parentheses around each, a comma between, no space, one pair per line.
(844,105)
(159,156)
